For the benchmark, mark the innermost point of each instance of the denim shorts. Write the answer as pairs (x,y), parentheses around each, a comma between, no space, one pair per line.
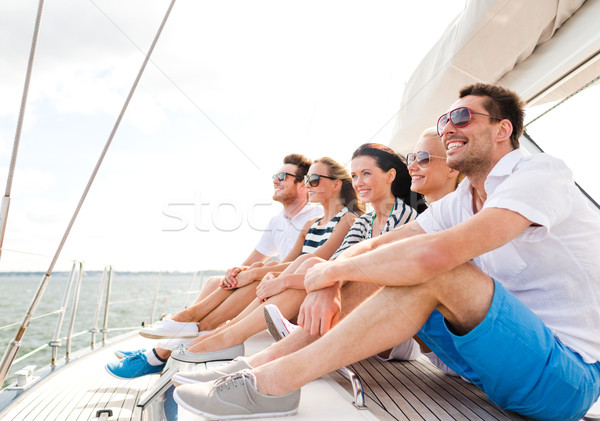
(517,361)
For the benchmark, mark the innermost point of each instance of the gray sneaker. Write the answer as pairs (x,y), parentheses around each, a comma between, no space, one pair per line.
(230,353)
(234,396)
(209,375)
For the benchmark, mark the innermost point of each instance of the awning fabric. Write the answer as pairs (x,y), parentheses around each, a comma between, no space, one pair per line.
(542,49)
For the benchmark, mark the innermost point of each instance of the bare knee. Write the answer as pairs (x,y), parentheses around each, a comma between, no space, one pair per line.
(212,283)
(309,260)
(209,286)
(464,296)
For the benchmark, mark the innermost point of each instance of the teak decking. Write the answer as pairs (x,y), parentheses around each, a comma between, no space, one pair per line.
(406,390)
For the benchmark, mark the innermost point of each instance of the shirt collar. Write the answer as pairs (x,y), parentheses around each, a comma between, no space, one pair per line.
(503,168)
(308,207)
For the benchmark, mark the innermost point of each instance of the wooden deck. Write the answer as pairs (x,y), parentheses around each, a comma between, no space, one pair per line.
(395,391)
(417,390)
(78,390)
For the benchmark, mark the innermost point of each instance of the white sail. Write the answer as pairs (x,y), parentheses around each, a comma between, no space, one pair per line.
(541,52)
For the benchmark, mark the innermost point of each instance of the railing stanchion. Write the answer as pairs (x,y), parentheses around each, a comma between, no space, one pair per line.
(94,329)
(74,312)
(104,329)
(55,342)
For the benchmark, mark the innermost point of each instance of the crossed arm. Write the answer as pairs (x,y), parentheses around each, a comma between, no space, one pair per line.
(405,257)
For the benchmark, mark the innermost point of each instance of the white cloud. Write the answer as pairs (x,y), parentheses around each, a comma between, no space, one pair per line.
(317,78)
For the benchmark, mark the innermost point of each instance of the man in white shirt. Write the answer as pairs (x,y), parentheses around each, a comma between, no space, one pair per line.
(277,240)
(281,233)
(501,279)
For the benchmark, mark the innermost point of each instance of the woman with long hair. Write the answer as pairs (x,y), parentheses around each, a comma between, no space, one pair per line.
(329,184)
(428,174)
(379,177)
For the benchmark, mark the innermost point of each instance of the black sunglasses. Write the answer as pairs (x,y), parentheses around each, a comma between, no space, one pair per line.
(460,117)
(423,158)
(313,180)
(282,175)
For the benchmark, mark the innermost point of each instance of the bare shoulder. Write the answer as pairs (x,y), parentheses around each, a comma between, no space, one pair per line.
(349,218)
(308,224)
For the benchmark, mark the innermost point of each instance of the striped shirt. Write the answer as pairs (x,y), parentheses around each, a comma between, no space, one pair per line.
(318,235)
(361,229)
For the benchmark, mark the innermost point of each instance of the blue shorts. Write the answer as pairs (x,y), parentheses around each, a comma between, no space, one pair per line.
(516,360)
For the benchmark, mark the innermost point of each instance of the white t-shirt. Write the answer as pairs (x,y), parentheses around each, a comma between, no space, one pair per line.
(281,232)
(554,269)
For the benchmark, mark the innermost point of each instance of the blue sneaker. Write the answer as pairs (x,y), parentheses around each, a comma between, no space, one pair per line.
(131,367)
(125,354)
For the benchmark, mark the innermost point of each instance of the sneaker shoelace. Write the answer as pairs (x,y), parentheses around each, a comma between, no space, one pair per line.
(136,356)
(233,380)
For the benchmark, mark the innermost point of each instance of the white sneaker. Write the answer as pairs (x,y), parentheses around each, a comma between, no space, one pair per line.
(168,329)
(279,327)
(180,343)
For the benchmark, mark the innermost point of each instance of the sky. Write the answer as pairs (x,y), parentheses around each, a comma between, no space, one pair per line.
(232,88)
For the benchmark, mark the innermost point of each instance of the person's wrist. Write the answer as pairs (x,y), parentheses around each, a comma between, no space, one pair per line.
(331,272)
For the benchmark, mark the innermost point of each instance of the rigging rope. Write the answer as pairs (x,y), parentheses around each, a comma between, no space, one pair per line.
(15,344)
(13,159)
(587,85)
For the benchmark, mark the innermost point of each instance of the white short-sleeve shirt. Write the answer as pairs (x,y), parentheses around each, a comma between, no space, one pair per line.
(553,268)
(281,233)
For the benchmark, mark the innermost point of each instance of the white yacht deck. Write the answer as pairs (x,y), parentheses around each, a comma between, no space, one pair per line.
(394,390)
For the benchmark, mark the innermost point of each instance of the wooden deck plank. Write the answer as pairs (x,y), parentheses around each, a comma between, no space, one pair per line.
(459,394)
(435,397)
(77,408)
(71,388)
(421,392)
(45,400)
(21,411)
(407,405)
(407,390)
(129,405)
(423,396)
(465,393)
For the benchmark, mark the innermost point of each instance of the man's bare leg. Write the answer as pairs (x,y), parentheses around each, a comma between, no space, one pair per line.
(463,296)
(352,295)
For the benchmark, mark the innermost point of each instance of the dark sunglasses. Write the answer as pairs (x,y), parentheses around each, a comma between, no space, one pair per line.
(423,158)
(460,117)
(282,175)
(313,180)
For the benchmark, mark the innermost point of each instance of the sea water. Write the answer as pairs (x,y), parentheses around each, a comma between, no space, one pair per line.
(131,303)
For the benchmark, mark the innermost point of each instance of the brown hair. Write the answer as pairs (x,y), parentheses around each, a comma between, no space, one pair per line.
(500,102)
(386,159)
(302,162)
(348,194)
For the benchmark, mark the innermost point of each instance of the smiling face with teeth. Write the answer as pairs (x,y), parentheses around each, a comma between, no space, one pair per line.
(371,183)
(469,149)
(435,180)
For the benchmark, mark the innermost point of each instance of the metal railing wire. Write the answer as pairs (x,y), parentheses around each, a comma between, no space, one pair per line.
(103,297)
(14,345)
